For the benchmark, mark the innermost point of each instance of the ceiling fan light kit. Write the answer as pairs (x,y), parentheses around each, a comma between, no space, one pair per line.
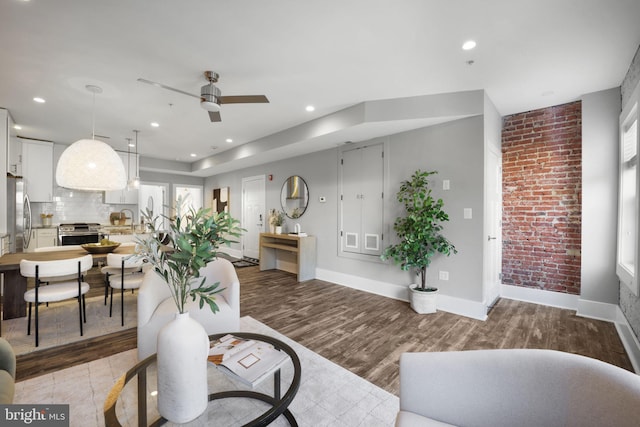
(89,164)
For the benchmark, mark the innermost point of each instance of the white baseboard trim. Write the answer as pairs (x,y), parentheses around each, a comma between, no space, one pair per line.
(462,307)
(629,340)
(538,296)
(236,253)
(597,310)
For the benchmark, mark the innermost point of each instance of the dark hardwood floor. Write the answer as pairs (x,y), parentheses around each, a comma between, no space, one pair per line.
(366,333)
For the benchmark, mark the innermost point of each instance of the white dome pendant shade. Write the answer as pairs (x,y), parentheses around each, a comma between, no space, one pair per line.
(90,165)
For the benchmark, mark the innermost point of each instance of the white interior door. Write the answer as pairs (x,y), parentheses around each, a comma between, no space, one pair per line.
(493,239)
(253,215)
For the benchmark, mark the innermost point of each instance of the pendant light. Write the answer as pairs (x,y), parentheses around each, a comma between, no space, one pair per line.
(89,164)
(136,180)
(129,145)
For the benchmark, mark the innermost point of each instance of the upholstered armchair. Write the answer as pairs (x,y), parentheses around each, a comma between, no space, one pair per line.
(7,372)
(524,388)
(156,307)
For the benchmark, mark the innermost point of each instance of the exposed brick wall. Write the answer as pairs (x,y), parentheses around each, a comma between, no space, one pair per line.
(542,167)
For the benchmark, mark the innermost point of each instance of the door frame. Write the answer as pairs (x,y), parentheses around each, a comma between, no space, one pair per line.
(492,229)
(244,219)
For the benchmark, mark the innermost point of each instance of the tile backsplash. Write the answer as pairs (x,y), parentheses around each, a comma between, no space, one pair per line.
(78,206)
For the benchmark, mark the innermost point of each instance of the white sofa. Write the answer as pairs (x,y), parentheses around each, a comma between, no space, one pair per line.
(156,306)
(523,388)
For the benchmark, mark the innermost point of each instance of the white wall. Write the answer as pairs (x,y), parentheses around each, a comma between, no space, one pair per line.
(454,149)
(600,113)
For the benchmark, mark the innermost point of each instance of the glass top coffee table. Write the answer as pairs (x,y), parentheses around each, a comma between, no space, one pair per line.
(230,401)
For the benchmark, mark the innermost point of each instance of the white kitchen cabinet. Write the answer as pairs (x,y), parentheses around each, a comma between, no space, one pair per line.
(42,237)
(125,196)
(37,170)
(14,151)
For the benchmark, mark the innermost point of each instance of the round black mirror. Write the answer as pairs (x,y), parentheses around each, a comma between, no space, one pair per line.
(294,197)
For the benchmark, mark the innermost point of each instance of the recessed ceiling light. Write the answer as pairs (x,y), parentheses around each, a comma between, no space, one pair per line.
(39,100)
(193,155)
(17,127)
(468,45)
(155,124)
(310,108)
(229,140)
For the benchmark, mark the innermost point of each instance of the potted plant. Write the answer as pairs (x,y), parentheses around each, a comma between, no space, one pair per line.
(177,255)
(420,238)
(277,220)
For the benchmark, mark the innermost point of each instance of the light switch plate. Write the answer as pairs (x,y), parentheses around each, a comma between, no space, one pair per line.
(468,213)
(446,184)
(443,275)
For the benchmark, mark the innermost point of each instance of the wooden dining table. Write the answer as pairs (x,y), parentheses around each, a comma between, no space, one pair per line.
(15,285)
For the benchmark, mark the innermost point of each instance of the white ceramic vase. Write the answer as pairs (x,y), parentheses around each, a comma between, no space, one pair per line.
(423,302)
(278,229)
(183,346)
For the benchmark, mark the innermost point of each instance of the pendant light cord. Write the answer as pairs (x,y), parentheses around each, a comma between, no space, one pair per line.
(136,131)
(93,118)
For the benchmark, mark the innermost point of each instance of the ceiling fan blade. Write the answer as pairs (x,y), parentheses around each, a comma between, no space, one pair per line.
(160,85)
(214,116)
(242,99)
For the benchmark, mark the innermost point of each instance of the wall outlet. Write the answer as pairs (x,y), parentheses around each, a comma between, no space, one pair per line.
(468,213)
(443,275)
(446,184)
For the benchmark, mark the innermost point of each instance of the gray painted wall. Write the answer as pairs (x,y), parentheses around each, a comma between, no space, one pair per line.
(600,113)
(428,148)
(629,303)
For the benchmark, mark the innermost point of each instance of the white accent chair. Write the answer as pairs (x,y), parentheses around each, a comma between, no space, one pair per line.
(56,291)
(156,307)
(109,270)
(125,273)
(524,388)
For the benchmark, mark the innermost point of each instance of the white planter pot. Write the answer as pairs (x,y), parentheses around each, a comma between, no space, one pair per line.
(183,346)
(278,229)
(423,302)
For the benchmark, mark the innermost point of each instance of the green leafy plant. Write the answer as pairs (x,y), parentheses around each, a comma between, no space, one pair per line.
(192,241)
(277,218)
(419,231)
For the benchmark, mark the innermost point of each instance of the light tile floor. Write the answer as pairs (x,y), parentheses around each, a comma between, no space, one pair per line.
(328,396)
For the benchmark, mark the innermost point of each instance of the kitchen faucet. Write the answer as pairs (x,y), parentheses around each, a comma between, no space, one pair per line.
(125,218)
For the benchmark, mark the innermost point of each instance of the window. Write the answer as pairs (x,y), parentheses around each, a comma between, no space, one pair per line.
(627,257)
(192,196)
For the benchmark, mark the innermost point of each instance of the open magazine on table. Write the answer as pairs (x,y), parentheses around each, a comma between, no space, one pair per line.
(250,361)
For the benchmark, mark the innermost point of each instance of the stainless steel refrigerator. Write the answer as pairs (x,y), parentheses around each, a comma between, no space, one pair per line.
(18,214)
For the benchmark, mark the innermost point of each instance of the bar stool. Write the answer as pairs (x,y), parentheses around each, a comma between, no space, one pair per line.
(129,277)
(57,291)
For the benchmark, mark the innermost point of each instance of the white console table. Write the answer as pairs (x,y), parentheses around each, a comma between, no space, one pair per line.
(290,253)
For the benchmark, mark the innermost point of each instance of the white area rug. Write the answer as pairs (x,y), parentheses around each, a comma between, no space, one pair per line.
(59,323)
(328,396)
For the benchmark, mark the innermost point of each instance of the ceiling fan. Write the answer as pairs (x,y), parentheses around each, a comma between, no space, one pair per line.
(210,96)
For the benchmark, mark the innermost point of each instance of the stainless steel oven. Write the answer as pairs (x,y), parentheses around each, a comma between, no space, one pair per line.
(78,233)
